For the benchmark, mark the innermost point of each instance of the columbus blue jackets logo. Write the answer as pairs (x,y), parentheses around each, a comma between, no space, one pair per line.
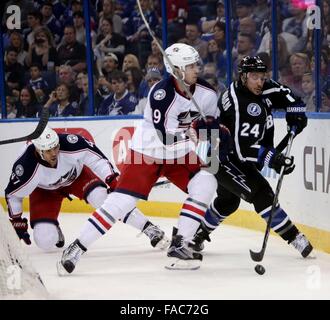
(72,138)
(160,94)
(253,109)
(19,170)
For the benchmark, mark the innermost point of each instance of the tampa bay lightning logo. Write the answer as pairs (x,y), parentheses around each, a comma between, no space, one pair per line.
(160,94)
(253,109)
(72,138)
(19,170)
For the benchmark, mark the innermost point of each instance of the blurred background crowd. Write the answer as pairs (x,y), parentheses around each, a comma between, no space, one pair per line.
(45,61)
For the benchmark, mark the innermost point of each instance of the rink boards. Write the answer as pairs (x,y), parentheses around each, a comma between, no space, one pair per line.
(305,193)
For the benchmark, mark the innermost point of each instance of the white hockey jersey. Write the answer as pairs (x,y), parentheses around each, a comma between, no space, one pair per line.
(30,171)
(167,116)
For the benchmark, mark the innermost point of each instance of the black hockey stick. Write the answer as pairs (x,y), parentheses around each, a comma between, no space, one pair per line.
(36,133)
(258,256)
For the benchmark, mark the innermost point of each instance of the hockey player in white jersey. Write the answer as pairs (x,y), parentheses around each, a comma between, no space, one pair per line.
(50,169)
(161,147)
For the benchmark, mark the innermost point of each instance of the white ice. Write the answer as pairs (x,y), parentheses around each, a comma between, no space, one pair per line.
(123,266)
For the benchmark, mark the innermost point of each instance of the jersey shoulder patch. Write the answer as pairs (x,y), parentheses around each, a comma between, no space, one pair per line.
(71,142)
(23,169)
(162,94)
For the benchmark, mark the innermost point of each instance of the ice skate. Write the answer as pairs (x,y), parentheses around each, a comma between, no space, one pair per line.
(61,240)
(181,256)
(70,257)
(157,236)
(197,244)
(302,244)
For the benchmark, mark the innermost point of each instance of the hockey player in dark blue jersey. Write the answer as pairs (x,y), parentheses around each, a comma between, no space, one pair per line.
(245,109)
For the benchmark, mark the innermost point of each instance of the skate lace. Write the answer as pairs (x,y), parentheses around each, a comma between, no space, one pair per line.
(300,243)
(73,253)
(153,232)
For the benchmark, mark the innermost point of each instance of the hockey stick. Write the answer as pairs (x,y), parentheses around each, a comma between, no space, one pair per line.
(36,133)
(258,256)
(188,93)
(280,147)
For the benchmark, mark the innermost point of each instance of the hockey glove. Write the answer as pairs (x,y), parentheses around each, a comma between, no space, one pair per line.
(21,226)
(112,180)
(296,117)
(216,136)
(276,160)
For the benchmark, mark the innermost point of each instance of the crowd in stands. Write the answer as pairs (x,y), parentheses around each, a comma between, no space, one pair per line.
(45,61)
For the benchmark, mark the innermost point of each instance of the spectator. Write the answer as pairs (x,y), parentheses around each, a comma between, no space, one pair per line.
(67,76)
(243,9)
(308,88)
(16,41)
(215,55)
(299,65)
(59,103)
(134,77)
(10,107)
(108,41)
(130,60)
(72,52)
(84,98)
(79,79)
(27,106)
(50,21)
(38,84)
(155,61)
(14,72)
(325,74)
(110,63)
(297,25)
(193,38)
(249,26)
(208,25)
(108,12)
(41,51)
(78,23)
(121,101)
(34,21)
(155,49)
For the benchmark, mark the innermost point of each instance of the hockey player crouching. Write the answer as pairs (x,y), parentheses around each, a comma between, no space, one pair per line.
(245,109)
(50,169)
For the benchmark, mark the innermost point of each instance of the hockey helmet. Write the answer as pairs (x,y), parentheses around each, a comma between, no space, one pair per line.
(47,140)
(251,64)
(180,55)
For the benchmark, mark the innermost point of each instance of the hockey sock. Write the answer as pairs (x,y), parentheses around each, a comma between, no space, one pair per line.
(136,219)
(212,218)
(281,223)
(96,226)
(190,218)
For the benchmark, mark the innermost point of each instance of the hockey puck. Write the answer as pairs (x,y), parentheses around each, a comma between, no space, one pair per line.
(260,269)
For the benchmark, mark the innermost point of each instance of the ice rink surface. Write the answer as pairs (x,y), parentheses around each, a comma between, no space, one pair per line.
(122,266)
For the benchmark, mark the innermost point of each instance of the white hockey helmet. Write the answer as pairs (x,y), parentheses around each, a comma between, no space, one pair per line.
(180,55)
(47,140)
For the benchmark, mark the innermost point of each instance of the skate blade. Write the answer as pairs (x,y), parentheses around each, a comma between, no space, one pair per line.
(180,264)
(61,270)
(311,256)
(163,243)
